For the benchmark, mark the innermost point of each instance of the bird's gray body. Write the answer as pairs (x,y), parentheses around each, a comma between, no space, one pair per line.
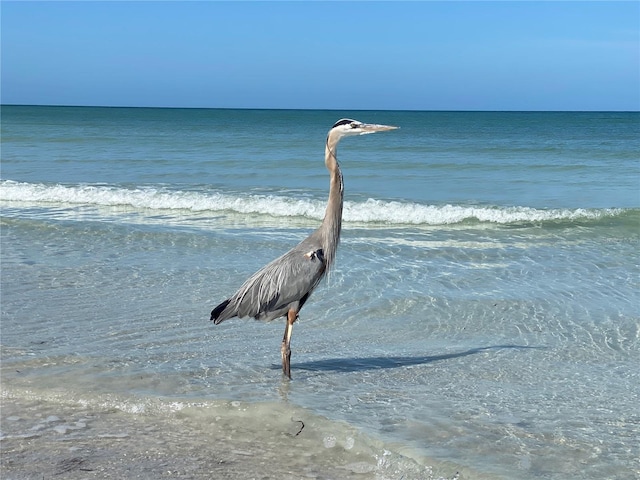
(282,287)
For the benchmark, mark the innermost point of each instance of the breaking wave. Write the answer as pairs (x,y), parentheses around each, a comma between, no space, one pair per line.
(369,211)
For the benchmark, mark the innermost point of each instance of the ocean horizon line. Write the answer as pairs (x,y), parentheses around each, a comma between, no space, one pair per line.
(285,109)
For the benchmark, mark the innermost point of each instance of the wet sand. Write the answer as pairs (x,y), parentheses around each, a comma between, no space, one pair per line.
(42,440)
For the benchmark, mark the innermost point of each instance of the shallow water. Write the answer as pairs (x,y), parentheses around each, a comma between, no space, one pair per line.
(482,317)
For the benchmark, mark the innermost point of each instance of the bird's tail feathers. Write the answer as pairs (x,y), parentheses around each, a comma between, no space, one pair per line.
(218,314)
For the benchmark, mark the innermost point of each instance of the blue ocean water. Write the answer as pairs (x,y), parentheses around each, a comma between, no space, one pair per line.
(483,316)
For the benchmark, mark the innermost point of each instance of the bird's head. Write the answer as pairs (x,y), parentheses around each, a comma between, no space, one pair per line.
(347,127)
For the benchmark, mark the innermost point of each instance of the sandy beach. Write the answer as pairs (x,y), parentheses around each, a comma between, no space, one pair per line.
(233,441)
(46,442)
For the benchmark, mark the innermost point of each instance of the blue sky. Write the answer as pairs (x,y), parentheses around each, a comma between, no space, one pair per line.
(331,55)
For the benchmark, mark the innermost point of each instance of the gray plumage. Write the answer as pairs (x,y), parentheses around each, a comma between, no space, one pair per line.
(282,287)
(283,284)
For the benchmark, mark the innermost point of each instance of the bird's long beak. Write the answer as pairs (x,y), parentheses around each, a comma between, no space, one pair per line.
(373,128)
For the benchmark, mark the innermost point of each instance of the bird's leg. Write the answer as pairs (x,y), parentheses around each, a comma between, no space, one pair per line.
(285,350)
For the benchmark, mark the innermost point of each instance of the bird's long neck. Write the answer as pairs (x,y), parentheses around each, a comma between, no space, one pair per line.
(332,222)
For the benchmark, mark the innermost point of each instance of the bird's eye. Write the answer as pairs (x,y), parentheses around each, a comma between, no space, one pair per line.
(354,125)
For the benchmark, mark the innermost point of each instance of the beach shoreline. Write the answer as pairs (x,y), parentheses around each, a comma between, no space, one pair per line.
(50,440)
(228,440)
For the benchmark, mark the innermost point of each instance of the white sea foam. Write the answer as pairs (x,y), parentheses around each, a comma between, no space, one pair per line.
(369,211)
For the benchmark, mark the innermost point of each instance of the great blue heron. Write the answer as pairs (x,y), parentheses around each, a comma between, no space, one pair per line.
(282,287)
